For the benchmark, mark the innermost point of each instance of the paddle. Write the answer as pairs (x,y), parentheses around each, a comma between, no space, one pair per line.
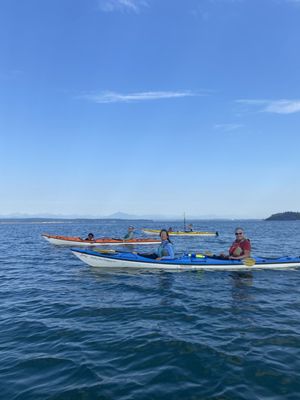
(249,261)
(108,251)
(105,251)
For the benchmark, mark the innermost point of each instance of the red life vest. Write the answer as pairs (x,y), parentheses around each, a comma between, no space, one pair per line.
(238,248)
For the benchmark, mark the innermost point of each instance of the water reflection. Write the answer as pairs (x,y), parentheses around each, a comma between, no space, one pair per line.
(242,282)
(166,280)
(165,283)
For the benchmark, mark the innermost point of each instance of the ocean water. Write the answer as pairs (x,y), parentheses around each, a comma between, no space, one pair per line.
(70,332)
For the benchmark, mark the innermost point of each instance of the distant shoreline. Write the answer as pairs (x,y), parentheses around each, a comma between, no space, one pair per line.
(63,220)
(5,220)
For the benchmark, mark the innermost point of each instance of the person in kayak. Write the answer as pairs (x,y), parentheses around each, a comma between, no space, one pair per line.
(130,233)
(189,228)
(165,250)
(90,237)
(240,248)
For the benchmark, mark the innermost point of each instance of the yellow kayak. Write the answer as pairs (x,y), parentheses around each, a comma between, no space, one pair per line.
(181,233)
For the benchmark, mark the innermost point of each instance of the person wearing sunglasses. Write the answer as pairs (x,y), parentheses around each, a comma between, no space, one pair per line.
(240,248)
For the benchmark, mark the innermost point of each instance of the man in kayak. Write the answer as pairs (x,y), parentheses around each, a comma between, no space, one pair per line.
(130,233)
(240,248)
(165,250)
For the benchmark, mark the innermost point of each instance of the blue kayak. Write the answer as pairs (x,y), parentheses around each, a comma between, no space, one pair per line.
(187,262)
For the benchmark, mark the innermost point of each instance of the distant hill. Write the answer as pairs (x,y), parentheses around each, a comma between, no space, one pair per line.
(121,215)
(285,216)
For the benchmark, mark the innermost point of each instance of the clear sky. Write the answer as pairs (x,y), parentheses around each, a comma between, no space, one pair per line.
(150,107)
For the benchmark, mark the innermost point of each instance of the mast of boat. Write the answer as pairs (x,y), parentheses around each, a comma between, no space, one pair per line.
(184,227)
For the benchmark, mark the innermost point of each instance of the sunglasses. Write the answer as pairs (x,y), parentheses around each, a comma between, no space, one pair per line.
(238,233)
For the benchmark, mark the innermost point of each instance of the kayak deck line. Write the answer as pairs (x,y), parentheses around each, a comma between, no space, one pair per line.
(119,259)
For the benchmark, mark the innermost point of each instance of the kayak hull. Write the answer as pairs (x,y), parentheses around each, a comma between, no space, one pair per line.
(181,233)
(76,241)
(115,259)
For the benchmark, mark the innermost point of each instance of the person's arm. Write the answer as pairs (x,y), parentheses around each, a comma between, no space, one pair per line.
(245,255)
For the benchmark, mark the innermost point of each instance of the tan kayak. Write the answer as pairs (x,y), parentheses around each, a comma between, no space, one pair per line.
(77,241)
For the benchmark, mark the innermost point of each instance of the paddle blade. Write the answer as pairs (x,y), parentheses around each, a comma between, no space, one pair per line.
(249,262)
(105,251)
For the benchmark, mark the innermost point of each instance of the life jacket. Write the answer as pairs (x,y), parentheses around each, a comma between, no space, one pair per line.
(238,247)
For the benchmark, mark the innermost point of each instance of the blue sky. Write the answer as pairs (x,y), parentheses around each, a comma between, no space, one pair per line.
(150,107)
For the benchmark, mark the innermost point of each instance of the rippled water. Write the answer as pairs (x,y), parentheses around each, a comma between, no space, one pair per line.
(68,331)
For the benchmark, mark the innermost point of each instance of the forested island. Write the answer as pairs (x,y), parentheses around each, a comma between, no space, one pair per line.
(285,216)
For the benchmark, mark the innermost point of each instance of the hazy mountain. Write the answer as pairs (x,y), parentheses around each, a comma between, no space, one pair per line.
(121,215)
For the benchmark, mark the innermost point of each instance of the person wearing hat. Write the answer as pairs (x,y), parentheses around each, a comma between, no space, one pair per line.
(129,234)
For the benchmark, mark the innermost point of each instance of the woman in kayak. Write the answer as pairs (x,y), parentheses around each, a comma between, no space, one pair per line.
(165,250)
(240,248)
